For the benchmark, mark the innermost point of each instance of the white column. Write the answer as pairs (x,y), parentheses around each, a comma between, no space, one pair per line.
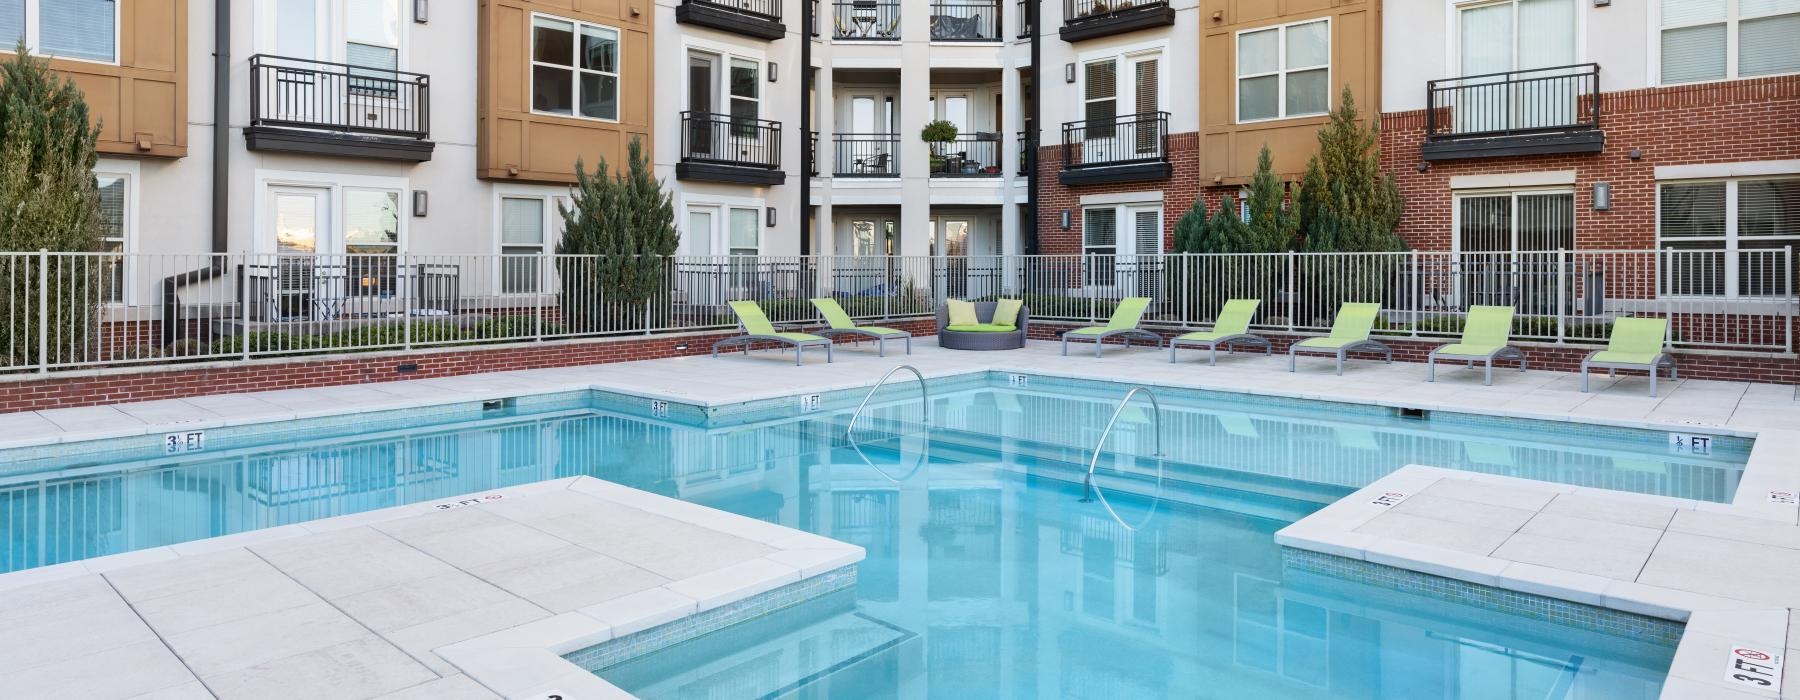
(825,120)
(915,111)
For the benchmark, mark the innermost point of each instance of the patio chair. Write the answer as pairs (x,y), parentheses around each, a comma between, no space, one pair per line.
(841,324)
(1230,329)
(1484,338)
(872,165)
(1349,333)
(1636,343)
(1123,324)
(758,329)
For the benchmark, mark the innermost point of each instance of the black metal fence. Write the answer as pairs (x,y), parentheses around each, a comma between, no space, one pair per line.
(967,20)
(763,9)
(974,155)
(293,92)
(1121,140)
(865,20)
(722,138)
(1079,10)
(1562,98)
(867,155)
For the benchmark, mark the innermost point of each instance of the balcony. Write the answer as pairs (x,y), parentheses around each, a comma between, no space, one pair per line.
(1125,148)
(974,155)
(334,109)
(724,148)
(758,19)
(812,154)
(1542,110)
(865,20)
(966,21)
(1024,20)
(1027,153)
(866,155)
(1091,19)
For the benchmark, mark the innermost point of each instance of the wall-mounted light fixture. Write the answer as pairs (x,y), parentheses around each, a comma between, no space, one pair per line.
(769,213)
(421,11)
(1068,72)
(1424,167)
(1637,154)
(1066,219)
(774,70)
(1602,196)
(421,200)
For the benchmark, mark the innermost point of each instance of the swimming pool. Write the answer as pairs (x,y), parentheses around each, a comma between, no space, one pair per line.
(986,573)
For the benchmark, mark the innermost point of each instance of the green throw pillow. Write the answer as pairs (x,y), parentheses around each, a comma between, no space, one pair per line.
(1006,312)
(962,313)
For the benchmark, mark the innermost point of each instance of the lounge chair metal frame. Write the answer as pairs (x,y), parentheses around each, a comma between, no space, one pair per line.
(1507,352)
(752,339)
(1212,346)
(1656,365)
(1099,339)
(829,308)
(1342,352)
(1131,308)
(858,333)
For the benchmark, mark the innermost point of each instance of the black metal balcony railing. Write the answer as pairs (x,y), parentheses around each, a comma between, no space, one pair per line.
(1027,153)
(1121,140)
(1084,10)
(1024,20)
(724,139)
(760,9)
(812,152)
(1563,98)
(867,155)
(967,20)
(866,20)
(976,155)
(292,92)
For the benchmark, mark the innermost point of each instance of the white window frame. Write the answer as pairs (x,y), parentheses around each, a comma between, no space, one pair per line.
(34,34)
(574,68)
(1281,71)
(1513,193)
(1731,22)
(263,241)
(1731,239)
(553,200)
(1121,57)
(334,41)
(724,53)
(127,171)
(723,205)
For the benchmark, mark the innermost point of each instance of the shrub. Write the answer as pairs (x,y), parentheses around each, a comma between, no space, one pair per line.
(938,131)
(627,224)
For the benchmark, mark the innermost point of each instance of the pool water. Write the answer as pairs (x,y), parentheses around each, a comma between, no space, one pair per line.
(988,574)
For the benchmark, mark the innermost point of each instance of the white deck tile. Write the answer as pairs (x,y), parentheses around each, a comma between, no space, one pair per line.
(1594,558)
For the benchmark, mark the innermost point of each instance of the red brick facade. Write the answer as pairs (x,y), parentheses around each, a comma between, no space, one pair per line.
(1728,122)
(1179,193)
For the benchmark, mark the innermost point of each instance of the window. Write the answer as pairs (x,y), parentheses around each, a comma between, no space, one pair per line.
(746,96)
(746,232)
(371,240)
(1726,236)
(81,29)
(1720,39)
(1101,97)
(1506,240)
(574,68)
(521,233)
(372,46)
(1284,71)
(1100,243)
(112,238)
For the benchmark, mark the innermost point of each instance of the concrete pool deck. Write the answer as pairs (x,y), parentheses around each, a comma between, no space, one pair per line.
(474,597)
(1770,413)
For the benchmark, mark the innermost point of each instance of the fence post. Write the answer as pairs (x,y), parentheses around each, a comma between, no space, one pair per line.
(244,301)
(1418,297)
(1087,271)
(1562,294)
(887,283)
(537,300)
(43,319)
(1293,292)
(406,307)
(1787,260)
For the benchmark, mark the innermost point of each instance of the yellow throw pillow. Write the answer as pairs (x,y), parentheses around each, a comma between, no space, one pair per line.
(1006,312)
(962,313)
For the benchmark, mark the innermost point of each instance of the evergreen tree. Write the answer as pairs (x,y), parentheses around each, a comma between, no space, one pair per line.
(1347,203)
(1191,227)
(48,201)
(622,228)
(1273,224)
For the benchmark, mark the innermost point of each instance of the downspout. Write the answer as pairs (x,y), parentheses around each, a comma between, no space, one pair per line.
(221,171)
(806,139)
(1033,11)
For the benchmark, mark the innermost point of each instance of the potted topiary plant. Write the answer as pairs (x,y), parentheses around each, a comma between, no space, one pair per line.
(938,131)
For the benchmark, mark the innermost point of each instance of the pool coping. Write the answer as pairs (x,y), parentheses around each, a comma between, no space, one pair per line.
(1715,625)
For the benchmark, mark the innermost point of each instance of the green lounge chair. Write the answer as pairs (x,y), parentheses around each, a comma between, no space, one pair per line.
(842,325)
(1349,333)
(1636,343)
(1230,329)
(1123,324)
(757,329)
(1483,340)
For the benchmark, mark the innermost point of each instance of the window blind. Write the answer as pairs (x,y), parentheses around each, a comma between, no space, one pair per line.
(1100,229)
(521,223)
(1693,53)
(77,29)
(12,22)
(1148,236)
(1769,208)
(1692,210)
(1680,12)
(1767,46)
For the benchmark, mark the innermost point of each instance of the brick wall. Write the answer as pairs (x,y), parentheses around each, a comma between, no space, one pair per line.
(35,392)
(1179,192)
(1769,369)
(1744,120)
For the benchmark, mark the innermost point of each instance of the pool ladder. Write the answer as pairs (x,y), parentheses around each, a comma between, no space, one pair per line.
(1099,445)
(924,398)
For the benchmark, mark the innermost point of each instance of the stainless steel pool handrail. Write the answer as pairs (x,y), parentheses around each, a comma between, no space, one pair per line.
(924,398)
(1100,445)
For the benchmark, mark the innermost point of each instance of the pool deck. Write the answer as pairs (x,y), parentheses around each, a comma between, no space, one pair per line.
(1731,570)
(473,597)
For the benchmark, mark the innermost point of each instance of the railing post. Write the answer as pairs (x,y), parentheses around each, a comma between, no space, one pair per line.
(1562,294)
(1787,260)
(406,307)
(1293,292)
(43,319)
(1087,270)
(244,292)
(1418,298)
(537,299)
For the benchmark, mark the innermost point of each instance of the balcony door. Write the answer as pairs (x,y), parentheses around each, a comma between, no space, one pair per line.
(1114,89)
(725,99)
(303,285)
(1517,35)
(703,89)
(1506,247)
(342,74)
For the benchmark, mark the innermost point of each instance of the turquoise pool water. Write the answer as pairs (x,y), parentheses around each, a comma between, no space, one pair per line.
(987,575)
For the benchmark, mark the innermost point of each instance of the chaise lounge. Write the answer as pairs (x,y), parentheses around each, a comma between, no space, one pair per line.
(1484,339)
(758,329)
(842,324)
(1636,343)
(1349,333)
(1231,329)
(1123,324)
